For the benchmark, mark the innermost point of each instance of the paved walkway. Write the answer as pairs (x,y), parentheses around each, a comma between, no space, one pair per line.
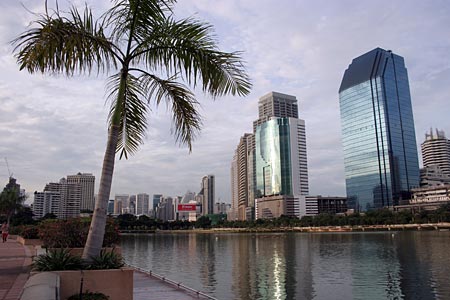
(15,261)
(147,287)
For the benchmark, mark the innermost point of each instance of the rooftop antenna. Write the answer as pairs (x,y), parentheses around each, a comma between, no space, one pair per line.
(7,165)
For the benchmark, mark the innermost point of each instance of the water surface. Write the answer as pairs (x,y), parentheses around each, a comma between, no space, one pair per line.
(381,265)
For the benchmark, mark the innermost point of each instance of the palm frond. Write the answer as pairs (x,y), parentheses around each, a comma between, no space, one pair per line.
(148,13)
(132,112)
(186,118)
(67,44)
(188,47)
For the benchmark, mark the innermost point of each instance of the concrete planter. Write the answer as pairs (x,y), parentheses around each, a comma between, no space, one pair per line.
(115,283)
(29,242)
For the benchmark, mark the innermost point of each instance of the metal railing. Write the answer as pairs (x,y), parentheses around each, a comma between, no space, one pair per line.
(179,285)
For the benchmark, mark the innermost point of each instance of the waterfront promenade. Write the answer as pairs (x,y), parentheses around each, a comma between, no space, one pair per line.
(15,261)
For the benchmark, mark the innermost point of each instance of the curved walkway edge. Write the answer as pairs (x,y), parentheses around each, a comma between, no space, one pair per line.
(147,286)
(15,262)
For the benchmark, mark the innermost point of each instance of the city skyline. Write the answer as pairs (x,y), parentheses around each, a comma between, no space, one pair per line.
(52,126)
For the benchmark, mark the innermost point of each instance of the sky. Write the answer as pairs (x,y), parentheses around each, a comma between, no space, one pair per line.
(52,126)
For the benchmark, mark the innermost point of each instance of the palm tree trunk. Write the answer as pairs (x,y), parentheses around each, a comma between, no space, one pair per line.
(97,228)
(96,234)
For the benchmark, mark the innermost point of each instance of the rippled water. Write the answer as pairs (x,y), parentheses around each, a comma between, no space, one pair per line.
(386,265)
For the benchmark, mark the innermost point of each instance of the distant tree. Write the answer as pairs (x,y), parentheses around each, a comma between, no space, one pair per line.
(126,220)
(203,222)
(23,216)
(10,201)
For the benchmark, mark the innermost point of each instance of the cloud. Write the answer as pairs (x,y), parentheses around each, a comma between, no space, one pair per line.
(52,127)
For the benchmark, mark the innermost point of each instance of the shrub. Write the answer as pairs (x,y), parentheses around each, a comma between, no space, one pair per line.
(106,260)
(89,296)
(72,233)
(29,232)
(57,260)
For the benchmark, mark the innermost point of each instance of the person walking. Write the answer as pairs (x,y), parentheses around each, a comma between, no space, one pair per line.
(5,231)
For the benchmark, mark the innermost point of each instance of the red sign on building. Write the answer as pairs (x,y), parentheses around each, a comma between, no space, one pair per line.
(187,207)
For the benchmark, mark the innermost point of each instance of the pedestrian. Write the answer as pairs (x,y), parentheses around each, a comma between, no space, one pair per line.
(5,232)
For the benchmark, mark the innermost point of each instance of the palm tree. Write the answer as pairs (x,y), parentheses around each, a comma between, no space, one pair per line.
(152,57)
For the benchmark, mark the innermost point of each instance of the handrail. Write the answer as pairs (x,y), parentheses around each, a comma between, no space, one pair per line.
(179,285)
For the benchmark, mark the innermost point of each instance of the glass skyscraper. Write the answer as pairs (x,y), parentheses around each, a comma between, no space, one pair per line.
(380,151)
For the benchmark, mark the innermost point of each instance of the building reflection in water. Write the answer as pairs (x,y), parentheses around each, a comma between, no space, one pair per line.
(271,266)
(370,265)
(424,273)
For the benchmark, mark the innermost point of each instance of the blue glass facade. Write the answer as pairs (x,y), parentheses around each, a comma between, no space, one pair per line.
(273,158)
(380,151)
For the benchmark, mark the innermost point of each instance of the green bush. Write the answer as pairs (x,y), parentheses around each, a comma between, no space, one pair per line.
(89,296)
(57,260)
(72,233)
(28,231)
(106,260)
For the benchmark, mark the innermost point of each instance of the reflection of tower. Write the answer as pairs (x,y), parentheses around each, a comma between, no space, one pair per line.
(299,277)
(378,130)
(208,263)
(416,278)
(244,268)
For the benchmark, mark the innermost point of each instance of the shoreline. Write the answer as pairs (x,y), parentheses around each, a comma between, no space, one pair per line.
(444,226)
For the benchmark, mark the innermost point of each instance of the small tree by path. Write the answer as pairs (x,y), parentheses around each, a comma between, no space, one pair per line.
(151,58)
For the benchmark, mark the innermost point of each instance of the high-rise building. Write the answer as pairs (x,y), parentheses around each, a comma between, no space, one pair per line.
(243,166)
(432,176)
(436,151)
(63,199)
(207,191)
(165,210)
(45,203)
(87,182)
(111,206)
(234,188)
(380,152)
(273,155)
(142,204)
(280,161)
(121,204)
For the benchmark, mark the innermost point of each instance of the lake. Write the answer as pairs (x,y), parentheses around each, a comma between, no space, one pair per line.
(376,265)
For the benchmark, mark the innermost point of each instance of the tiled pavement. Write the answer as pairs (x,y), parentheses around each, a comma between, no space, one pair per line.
(15,261)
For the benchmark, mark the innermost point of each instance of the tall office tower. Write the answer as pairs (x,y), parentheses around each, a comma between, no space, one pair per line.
(242,176)
(234,187)
(156,199)
(165,209)
(110,206)
(380,152)
(280,173)
(436,151)
(121,202)
(69,199)
(142,204)
(87,182)
(131,205)
(208,192)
